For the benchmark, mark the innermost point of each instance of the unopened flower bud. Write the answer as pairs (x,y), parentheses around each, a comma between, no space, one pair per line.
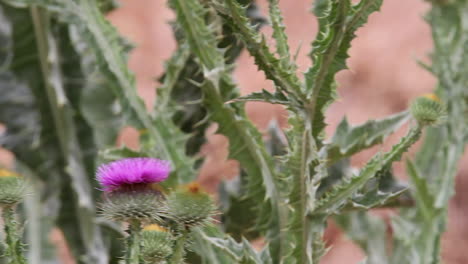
(190,206)
(12,188)
(156,244)
(428,110)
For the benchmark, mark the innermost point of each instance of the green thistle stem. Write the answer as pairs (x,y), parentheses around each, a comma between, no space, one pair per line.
(179,251)
(132,255)
(14,248)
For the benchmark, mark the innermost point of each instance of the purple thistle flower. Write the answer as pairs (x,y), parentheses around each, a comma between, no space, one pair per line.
(132,171)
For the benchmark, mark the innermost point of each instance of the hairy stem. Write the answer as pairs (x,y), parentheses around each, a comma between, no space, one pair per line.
(179,251)
(303,188)
(132,255)
(14,248)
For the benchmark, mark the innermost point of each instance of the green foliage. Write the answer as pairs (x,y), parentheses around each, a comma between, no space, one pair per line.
(279,34)
(350,140)
(110,51)
(283,78)
(48,139)
(67,91)
(345,190)
(369,232)
(417,231)
(302,162)
(337,26)
(245,144)
(435,167)
(239,252)
(265,96)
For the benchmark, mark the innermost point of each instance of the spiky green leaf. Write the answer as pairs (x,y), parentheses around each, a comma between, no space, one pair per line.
(337,26)
(335,199)
(242,253)
(284,79)
(349,140)
(369,232)
(265,96)
(279,34)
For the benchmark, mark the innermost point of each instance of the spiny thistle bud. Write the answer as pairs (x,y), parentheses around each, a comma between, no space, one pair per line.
(156,244)
(129,193)
(134,205)
(190,206)
(428,110)
(12,188)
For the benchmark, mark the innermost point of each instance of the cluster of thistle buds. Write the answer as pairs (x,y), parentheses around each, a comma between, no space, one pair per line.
(132,196)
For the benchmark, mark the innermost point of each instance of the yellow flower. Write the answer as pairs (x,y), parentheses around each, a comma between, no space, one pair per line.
(432,96)
(194,187)
(154,227)
(8,173)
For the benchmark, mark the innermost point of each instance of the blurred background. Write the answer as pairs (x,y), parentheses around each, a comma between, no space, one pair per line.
(382,79)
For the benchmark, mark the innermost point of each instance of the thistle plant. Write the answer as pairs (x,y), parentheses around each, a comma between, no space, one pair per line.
(130,198)
(70,84)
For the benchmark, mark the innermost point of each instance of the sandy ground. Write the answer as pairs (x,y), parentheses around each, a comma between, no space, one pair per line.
(382,79)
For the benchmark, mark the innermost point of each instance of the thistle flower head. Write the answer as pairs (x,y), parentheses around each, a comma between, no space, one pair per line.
(12,188)
(132,171)
(428,110)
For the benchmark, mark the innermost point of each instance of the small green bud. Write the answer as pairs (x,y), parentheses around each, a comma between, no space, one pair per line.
(428,110)
(12,188)
(134,205)
(156,244)
(190,206)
